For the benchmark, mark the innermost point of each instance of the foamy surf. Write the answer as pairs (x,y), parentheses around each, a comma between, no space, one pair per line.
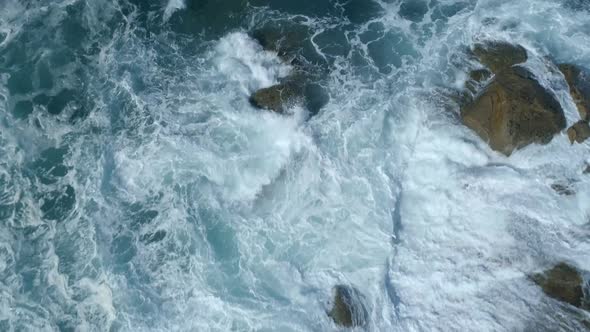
(140,190)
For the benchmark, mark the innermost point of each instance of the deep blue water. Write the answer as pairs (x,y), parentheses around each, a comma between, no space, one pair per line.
(140,190)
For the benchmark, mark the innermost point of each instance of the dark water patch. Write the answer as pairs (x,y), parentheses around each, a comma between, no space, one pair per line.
(73,29)
(44,75)
(20,81)
(316,97)
(413,10)
(208,18)
(390,50)
(157,236)
(354,11)
(311,8)
(50,166)
(577,4)
(123,248)
(333,42)
(58,204)
(291,40)
(22,109)
(449,10)
(360,11)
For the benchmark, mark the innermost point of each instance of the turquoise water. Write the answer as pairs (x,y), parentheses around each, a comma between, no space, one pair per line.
(140,191)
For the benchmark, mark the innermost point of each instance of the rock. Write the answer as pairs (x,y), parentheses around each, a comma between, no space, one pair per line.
(304,86)
(579,132)
(279,97)
(348,309)
(564,283)
(513,111)
(563,189)
(498,55)
(476,79)
(579,84)
(586,170)
(287,41)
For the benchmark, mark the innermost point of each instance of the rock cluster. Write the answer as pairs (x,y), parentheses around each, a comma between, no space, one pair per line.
(512,109)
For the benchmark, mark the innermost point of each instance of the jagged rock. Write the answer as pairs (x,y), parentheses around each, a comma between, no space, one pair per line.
(579,84)
(564,283)
(348,309)
(513,111)
(579,132)
(279,97)
(498,55)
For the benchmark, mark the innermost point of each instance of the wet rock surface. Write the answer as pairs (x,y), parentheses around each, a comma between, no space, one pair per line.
(513,111)
(279,97)
(498,55)
(304,85)
(578,81)
(564,283)
(348,309)
(579,132)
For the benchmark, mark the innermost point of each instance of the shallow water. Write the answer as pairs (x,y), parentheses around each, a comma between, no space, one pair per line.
(140,191)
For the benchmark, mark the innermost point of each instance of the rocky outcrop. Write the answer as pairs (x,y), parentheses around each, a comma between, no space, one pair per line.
(280,96)
(303,86)
(513,110)
(348,309)
(579,84)
(579,132)
(564,283)
(498,55)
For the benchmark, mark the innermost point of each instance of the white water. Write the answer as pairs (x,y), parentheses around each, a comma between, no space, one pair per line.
(263,213)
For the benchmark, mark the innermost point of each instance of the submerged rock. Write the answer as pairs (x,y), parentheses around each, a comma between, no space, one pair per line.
(579,85)
(562,189)
(579,132)
(348,309)
(498,55)
(564,283)
(513,111)
(286,41)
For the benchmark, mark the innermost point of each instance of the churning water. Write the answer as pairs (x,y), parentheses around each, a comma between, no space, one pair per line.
(140,190)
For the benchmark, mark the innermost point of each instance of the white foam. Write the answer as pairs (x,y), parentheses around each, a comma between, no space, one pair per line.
(173,6)
(243,60)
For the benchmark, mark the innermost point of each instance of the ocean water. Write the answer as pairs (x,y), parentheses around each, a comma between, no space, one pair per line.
(140,191)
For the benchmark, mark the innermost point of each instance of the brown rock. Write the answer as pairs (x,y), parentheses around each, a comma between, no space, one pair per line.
(498,55)
(476,79)
(513,111)
(579,132)
(348,309)
(579,88)
(564,283)
(278,97)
